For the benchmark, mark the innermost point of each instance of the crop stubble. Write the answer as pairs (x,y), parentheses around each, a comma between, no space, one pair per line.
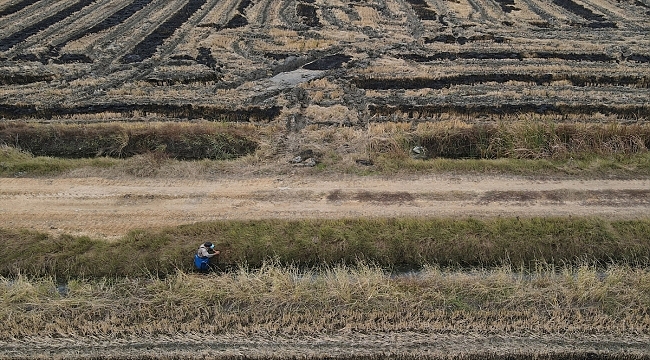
(573,58)
(596,48)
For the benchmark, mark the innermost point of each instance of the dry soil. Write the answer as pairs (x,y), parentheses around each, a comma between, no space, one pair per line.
(110,207)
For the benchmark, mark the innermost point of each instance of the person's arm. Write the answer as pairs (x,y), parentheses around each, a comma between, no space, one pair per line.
(213,254)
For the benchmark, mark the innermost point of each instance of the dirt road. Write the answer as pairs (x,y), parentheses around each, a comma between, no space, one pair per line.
(110,207)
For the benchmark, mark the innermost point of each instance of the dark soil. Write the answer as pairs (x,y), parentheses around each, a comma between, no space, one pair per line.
(147,47)
(473,79)
(328,63)
(117,18)
(180,111)
(507,6)
(243,5)
(597,20)
(72,59)
(307,14)
(237,21)
(16,7)
(20,36)
(632,111)
(451,39)
(422,10)
(205,57)
(22,79)
(471,55)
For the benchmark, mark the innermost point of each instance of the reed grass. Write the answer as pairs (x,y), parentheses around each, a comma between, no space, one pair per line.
(274,299)
(391,243)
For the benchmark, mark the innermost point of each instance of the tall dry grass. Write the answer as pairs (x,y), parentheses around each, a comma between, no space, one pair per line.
(184,141)
(518,140)
(533,146)
(274,299)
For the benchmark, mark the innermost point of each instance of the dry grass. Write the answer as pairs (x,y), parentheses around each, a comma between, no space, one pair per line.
(533,145)
(174,140)
(284,300)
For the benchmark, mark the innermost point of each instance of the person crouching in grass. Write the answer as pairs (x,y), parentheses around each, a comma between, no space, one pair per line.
(203,255)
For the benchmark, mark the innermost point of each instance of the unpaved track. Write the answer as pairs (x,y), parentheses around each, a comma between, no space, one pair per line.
(110,207)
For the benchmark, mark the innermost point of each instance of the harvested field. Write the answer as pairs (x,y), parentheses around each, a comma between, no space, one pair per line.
(470,134)
(340,312)
(573,58)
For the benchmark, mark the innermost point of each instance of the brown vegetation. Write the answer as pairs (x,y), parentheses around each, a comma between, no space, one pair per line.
(283,302)
(474,58)
(542,88)
(183,141)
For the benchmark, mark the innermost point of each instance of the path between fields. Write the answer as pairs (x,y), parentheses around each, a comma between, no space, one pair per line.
(111,207)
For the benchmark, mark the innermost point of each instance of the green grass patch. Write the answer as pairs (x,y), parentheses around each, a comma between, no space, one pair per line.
(15,163)
(390,243)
